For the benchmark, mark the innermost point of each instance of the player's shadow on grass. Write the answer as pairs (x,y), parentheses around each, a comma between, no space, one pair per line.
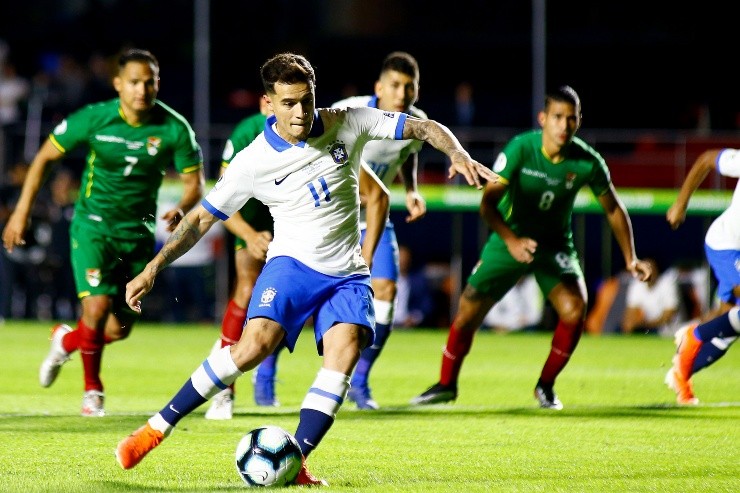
(660,410)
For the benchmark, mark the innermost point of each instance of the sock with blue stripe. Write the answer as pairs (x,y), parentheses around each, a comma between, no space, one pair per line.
(320,407)
(216,373)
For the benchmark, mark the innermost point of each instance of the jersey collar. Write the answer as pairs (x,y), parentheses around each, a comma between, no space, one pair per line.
(280,144)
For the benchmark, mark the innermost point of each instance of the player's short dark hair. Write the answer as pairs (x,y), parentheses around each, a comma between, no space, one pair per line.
(287,68)
(137,55)
(563,94)
(400,61)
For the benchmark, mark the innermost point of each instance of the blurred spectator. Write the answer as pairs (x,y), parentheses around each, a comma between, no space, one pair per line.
(14,92)
(607,313)
(653,306)
(59,299)
(439,279)
(414,300)
(693,288)
(20,281)
(464,105)
(520,308)
(62,81)
(697,116)
(99,80)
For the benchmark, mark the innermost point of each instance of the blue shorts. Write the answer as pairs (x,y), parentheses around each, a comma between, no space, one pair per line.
(289,293)
(385,260)
(726,267)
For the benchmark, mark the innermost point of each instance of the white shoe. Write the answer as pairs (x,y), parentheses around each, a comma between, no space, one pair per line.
(546,396)
(92,404)
(52,364)
(222,405)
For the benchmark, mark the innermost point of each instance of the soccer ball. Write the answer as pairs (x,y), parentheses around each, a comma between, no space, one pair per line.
(268,456)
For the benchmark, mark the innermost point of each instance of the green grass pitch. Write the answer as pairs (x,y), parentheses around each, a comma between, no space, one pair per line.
(620,430)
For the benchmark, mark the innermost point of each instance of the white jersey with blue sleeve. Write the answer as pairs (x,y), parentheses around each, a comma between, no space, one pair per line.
(311,188)
(384,157)
(724,232)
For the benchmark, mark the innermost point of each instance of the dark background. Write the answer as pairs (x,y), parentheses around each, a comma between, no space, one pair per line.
(636,64)
(639,66)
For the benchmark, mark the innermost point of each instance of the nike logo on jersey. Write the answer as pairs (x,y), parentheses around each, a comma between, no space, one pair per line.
(278,182)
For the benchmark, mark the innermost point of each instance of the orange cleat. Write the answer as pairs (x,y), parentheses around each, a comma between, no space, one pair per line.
(679,376)
(305,478)
(132,449)
(684,392)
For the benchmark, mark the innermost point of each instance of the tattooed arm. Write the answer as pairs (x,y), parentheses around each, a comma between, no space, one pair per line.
(441,138)
(187,233)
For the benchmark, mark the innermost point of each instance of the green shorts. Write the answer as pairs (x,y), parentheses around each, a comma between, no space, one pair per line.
(102,265)
(258,216)
(497,271)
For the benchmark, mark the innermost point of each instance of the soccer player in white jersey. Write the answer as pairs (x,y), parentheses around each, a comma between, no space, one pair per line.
(700,345)
(306,168)
(396,89)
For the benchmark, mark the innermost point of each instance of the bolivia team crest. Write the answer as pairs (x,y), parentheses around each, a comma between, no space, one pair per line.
(570,177)
(92,276)
(152,145)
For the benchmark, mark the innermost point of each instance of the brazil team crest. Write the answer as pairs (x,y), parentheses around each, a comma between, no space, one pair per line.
(338,153)
(267,296)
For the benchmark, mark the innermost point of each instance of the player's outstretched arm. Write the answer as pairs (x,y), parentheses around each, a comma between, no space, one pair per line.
(705,163)
(415,203)
(440,137)
(187,233)
(621,225)
(15,228)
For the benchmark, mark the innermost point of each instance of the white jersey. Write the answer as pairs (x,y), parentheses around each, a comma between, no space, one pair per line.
(311,189)
(384,157)
(724,232)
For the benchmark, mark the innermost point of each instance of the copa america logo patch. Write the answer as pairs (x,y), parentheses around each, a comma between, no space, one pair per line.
(61,128)
(500,163)
(267,296)
(228,150)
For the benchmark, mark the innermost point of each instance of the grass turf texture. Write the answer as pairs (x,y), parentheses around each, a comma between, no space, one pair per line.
(620,429)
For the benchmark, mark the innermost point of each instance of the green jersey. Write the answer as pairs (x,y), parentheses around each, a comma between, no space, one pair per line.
(244,133)
(540,195)
(254,212)
(125,164)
